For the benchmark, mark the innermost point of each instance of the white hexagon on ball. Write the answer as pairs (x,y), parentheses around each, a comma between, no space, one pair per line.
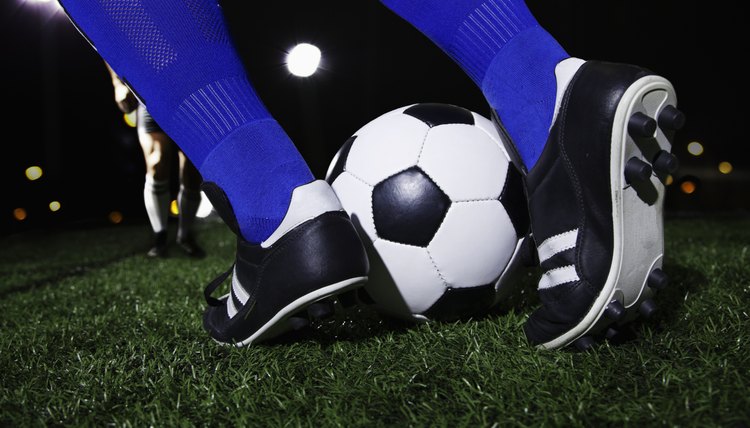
(474,244)
(388,146)
(477,165)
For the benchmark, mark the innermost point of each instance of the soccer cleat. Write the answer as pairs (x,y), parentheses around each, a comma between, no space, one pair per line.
(595,203)
(160,245)
(190,247)
(314,254)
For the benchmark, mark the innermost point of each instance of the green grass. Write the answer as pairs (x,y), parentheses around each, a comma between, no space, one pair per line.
(93,333)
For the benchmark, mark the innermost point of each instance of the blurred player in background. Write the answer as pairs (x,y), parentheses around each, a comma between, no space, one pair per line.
(157,151)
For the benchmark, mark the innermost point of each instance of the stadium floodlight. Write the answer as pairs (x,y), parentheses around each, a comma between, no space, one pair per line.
(303,60)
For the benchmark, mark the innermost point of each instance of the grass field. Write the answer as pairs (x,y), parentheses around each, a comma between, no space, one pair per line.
(93,333)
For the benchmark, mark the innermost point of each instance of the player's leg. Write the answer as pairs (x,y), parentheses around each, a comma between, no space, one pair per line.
(502,47)
(295,243)
(188,200)
(594,138)
(157,153)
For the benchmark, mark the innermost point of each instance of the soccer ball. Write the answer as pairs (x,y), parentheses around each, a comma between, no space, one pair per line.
(440,207)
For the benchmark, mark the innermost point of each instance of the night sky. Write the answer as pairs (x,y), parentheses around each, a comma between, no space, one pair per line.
(60,114)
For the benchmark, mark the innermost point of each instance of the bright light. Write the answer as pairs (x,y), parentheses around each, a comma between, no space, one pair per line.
(688,187)
(115,217)
(174,208)
(669,180)
(53,3)
(33,173)
(54,206)
(695,148)
(205,208)
(725,167)
(303,60)
(130,118)
(19,214)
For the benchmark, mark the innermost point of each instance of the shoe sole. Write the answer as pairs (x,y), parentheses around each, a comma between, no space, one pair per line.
(637,216)
(285,320)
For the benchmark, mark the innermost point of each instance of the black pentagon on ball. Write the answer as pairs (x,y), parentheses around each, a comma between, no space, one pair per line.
(513,199)
(339,161)
(458,303)
(408,207)
(434,114)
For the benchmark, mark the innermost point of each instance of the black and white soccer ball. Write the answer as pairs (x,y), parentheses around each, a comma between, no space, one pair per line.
(440,207)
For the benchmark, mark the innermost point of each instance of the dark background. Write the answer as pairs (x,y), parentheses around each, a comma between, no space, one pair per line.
(58,110)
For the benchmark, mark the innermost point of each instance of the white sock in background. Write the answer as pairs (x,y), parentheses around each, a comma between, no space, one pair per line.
(156,199)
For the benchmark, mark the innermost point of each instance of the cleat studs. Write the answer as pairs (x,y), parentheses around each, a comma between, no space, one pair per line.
(647,308)
(666,162)
(615,311)
(611,333)
(584,343)
(658,280)
(671,119)
(365,297)
(637,170)
(348,299)
(320,310)
(297,323)
(641,126)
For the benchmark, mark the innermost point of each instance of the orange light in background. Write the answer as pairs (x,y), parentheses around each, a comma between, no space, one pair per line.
(54,206)
(695,148)
(174,208)
(19,214)
(687,187)
(725,167)
(669,180)
(115,217)
(33,173)
(130,118)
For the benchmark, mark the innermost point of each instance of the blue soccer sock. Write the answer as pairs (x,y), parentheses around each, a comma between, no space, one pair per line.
(178,58)
(503,49)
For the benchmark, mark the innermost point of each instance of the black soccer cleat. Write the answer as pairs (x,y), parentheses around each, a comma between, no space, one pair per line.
(314,254)
(191,247)
(596,202)
(159,249)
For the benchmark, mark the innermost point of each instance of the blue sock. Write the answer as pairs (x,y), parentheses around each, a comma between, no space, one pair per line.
(178,58)
(503,49)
